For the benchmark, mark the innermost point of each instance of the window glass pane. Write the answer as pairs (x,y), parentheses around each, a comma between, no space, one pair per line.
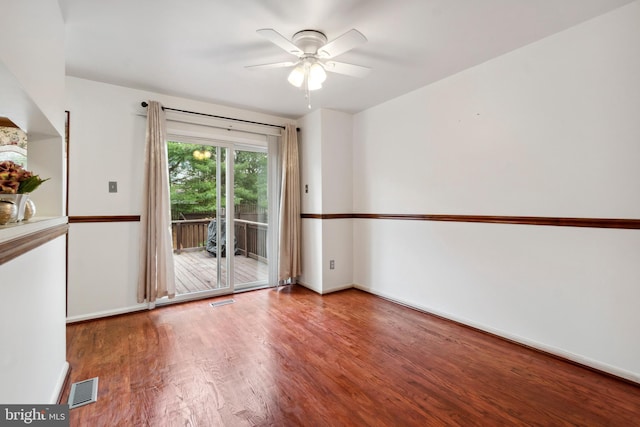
(251,217)
(192,177)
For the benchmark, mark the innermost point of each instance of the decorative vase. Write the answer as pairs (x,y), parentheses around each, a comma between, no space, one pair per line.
(29,209)
(20,200)
(8,211)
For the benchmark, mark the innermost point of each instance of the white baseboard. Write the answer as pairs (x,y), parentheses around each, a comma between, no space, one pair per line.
(107,313)
(311,288)
(326,291)
(595,364)
(337,289)
(57,391)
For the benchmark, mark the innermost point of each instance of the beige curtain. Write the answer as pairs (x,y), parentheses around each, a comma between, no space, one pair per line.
(289,257)
(156,278)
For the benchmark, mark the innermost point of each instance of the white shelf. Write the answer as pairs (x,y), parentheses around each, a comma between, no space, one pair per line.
(18,229)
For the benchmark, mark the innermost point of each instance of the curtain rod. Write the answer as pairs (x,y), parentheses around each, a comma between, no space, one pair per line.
(145,105)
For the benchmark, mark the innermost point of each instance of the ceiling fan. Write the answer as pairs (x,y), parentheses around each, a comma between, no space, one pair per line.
(315,56)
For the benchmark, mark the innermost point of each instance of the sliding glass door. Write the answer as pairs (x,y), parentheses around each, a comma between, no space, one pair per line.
(198,177)
(220,216)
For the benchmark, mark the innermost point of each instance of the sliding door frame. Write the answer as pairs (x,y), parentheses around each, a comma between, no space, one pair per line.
(271,144)
(218,145)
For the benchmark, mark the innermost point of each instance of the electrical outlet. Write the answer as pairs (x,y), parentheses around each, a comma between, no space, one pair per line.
(113,186)
(306,188)
(332,265)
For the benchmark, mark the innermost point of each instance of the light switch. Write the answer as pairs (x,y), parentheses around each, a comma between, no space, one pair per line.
(113,186)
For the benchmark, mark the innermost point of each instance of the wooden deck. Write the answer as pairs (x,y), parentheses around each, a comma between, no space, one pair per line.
(196,271)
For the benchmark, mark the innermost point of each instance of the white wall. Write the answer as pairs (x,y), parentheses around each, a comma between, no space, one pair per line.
(337,197)
(107,144)
(33,52)
(550,129)
(32,327)
(310,153)
(32,90)
(325,166)
(312,254)
(103,269)
(47,159)
(534,132)
(337,238)
(337,160)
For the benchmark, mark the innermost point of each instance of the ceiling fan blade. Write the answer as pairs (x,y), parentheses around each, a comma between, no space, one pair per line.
(279,40)
(347,69)
(345,42)
(273,65)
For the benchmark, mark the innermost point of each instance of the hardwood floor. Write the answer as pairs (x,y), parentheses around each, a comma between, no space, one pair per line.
(295,358)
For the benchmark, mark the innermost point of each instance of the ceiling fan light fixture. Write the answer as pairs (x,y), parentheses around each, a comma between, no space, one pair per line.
(317,75)
(314,85)
(297,76)
(308,74)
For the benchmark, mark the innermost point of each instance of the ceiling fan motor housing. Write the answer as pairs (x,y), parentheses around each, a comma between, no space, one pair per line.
(309,41)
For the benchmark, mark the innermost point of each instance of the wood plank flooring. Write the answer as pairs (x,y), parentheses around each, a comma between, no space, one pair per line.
(196,271)
(296,358)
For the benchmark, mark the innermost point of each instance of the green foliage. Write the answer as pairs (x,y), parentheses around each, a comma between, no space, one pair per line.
(30,184)
(192,177)
(250,174)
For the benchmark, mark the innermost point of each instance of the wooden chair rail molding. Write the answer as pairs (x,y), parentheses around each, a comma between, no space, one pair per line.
(621,223)
(633,224)
(13,248)
(103,218)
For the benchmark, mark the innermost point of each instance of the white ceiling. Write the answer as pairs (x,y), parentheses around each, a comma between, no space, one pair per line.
(198,49)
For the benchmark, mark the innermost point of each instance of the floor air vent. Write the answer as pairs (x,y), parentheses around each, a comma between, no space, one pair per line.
(83,392)
(223,302)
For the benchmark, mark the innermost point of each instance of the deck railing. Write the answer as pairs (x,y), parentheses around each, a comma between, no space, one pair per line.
(189,234)
(251,237)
